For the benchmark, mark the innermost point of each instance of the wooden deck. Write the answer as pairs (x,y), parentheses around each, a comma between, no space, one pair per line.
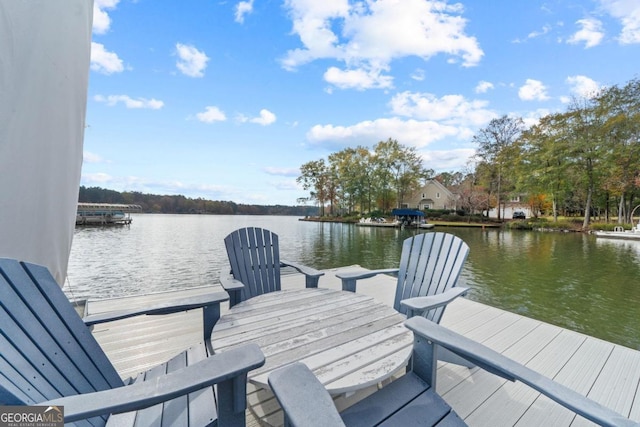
(606,372)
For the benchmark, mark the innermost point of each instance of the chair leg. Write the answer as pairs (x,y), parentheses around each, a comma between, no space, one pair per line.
(312,282)
(232,401)
(349,285)
(424,359)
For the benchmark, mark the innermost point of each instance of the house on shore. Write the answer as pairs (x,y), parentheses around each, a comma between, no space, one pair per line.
(432,195)
(507,208)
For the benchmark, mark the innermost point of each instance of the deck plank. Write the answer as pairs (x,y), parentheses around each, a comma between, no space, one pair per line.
(606,372)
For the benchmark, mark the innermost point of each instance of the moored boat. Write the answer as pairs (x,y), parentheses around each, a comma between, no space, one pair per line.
(620,233)
(376,222)
(411,218)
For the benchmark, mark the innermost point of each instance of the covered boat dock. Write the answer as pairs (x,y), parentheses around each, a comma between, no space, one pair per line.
(105,213)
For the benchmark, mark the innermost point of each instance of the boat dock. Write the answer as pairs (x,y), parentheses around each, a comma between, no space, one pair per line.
(105,213)
(603,371)
(368,222)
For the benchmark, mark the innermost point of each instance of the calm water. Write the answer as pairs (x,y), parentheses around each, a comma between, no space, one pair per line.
(572,280)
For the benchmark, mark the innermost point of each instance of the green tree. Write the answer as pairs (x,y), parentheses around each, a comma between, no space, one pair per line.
(450,179)
(314,176)
(354,176)
(543,167)
(584,124)
(399,168)
(497,151)
(621,106)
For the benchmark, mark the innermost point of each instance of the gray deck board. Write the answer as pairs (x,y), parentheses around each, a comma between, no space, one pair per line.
(606,372)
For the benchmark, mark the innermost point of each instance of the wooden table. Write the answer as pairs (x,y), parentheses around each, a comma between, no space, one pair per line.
(349,340)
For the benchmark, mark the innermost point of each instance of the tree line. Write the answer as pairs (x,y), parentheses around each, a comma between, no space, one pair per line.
(583,161)
(362,180)
(177,204)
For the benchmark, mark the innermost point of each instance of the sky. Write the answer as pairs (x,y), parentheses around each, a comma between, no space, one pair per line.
(225,100)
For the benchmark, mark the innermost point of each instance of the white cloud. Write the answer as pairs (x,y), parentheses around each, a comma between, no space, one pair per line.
(286,185)
(88,157)
(243,8)
(211,114)
(418,75)
(533,90)
(112,100)
(535,34)
(191,62)
(357,79)
(420,119)
(96,178)
(373,34)
(103,61)
(583,86)
(282,171)
(101,20)
(410,132)
(591,33)
(483,87)
(266,118)
(449,109)
(447,160)
(628,12)
(532,118)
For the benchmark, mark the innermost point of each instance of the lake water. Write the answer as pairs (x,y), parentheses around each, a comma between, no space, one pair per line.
(568,279)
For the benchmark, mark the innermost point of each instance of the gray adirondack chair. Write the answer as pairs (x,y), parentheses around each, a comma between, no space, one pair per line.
(412,399)
(430,265)
(48,356)
(254,257)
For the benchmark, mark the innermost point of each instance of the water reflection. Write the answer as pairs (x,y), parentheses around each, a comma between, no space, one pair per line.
(568,279)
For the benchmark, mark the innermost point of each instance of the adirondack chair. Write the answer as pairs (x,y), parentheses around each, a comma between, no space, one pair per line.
(412,399)
(49,357)
(254,257)
(430,265)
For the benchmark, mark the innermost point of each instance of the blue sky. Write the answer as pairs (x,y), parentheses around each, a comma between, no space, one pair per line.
(225,100)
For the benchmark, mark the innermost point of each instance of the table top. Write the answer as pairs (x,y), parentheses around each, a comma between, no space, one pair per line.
(349,340)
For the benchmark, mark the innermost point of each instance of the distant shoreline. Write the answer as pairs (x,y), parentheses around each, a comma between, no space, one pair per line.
(436,223)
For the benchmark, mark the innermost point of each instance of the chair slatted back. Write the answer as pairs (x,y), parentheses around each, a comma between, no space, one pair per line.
(254,256)
(430,264)
(46,351)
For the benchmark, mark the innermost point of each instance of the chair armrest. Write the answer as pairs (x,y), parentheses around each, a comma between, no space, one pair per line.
(174,306)
(303,398)
(501,365)
(418,305)
(349,279)
(231,284)
(231,365)
(312,276)
(233,287)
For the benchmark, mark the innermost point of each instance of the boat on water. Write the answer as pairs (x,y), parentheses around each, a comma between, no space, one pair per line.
(426,226)
(411,218)
(105,213)
(403,218)
(620,233)
(376,222)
